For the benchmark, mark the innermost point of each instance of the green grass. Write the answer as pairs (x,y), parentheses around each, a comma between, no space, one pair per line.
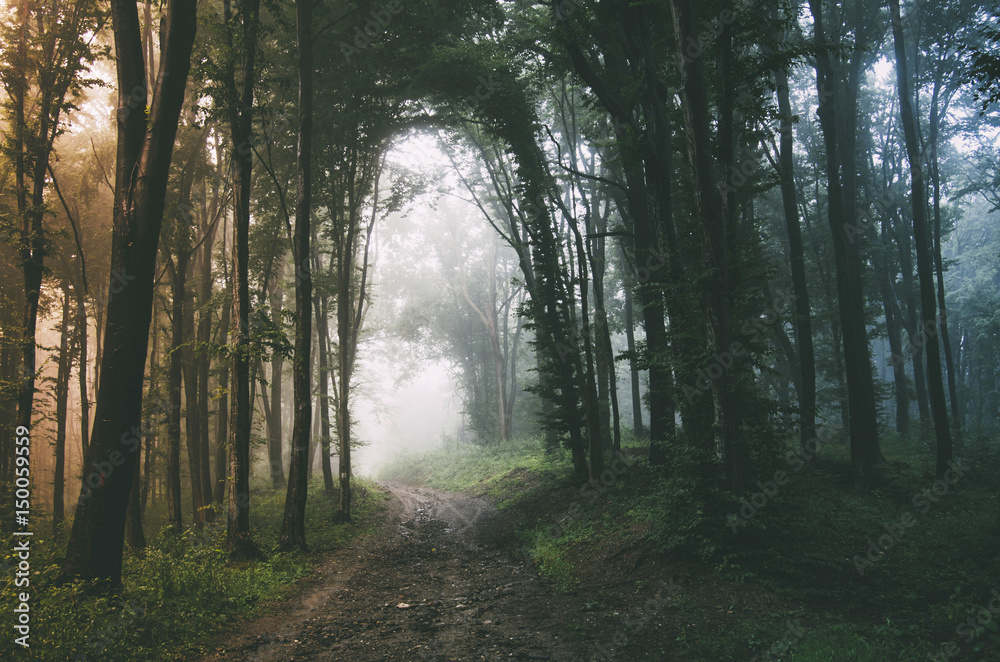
(463,467)
(180,591)
(801,545)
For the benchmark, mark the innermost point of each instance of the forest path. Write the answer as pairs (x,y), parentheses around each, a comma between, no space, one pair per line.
(434,582)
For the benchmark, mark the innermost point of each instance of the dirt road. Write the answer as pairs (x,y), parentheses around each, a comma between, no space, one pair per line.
(434,583)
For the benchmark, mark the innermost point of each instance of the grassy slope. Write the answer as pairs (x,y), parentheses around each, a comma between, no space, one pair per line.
(181,591)
(789,573)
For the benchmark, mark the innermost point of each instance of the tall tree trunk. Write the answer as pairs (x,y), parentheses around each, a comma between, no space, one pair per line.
(925,269)
(633,363)
(62,395)
(175,376)
(322,334)
(911,321)
(293,533)
(192,428)
(203,361)
(935,124)
(222,422)
(151,427)
(241,413)
(274,430)
(796,254)
(590,399)
(863,423)
(712,215)
(96,542)
(134,535)
(81,334)
(893,328)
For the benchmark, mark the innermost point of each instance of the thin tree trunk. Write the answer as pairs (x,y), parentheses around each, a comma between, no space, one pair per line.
(921,237)
(82,333)
(203,359)
(633,363)
(796,253)
(241,413)
(322,331)
(134,535)
(222,422)
(293,534)
(956,410)
(175,376)
(274,426)
(62,395)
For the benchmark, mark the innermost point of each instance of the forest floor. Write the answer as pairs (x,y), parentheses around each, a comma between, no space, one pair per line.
(443,579)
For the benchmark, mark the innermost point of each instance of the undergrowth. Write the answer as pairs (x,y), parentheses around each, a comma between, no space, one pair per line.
(179,591)
(882,574)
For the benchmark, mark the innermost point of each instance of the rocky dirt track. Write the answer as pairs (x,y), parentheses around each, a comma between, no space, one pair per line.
(434,583)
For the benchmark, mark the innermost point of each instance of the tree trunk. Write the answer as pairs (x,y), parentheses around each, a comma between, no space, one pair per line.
(293,533)
(796,254)
(322,334)
(203,360)
(712,215)
(222,422)
(241,413)
(192,428)
(935,122)
(96,542)
(82,333)
(135,537)
(274,430)
(925,269)
(62,395)
(911,321)
(633,363)
(174,389)
(862,424)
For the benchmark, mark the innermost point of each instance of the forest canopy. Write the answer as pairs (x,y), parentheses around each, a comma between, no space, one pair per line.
(715,233)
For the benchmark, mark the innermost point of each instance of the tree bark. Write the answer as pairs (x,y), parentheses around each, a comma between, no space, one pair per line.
(274,432)
(862,423)
(633,364)
(712,215)
(241,413)
(293,534)
(935,123)
(62,395)
(796,254)
(96,542)
(925,274)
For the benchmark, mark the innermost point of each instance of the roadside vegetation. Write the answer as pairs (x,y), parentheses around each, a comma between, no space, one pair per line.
(901,573)
(180,590)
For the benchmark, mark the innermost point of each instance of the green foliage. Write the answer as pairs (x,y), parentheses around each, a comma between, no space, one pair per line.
(464,466)
(179,591)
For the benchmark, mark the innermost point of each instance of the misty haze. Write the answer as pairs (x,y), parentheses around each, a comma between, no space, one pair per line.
(492,329)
